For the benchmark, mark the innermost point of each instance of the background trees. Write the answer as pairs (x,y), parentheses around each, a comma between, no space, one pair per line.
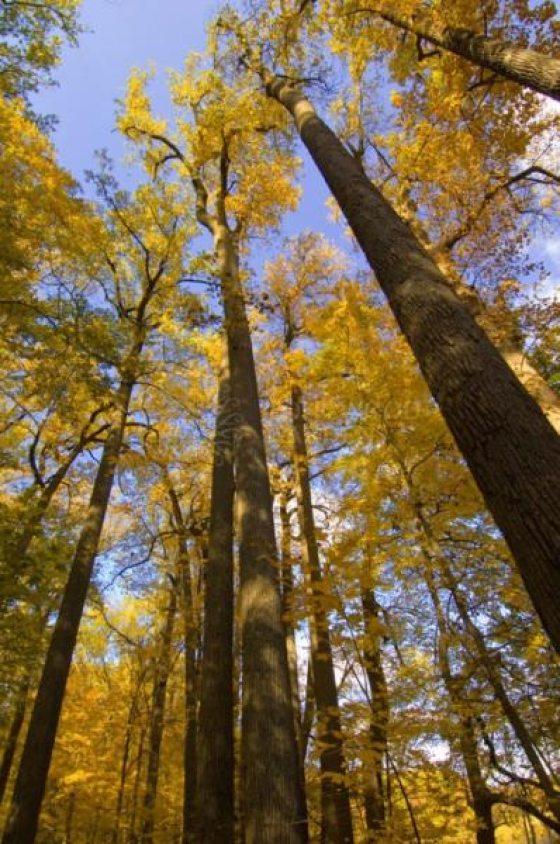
(383,676)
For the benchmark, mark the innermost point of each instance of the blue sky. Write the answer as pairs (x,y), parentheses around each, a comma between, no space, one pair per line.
(120,35)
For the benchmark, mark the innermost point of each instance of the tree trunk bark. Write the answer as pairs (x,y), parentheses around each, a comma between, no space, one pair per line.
(157,719)
(13,735)
(374,796)
(123,773)
(529,68)
(480,793)
(336,815)
(216,764)
(191,702)
(288,611)
(31,781)
(273,803)
(512,450)
(190,636)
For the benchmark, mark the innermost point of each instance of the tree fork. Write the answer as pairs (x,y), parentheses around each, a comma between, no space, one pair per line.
(510,447)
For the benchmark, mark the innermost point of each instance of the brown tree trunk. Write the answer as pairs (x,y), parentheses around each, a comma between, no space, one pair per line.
(132,836)
(481,796)
(216,766)
(132,716)
(13,735)
(374,795)
(31,780)
(190,636)
(336,815)
(512,450)
(273,803)
(123,773)
(529,68)
(287,579)
(191,703)
(157,717)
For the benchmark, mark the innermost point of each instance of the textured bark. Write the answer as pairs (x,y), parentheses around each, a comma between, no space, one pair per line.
(511,449)
(190,638)
(530,68)
(273,804)
(157,716)
(13,736)
(374,796)
(216,766)
(31,781)
(509,342)
(336,815)
(287,612)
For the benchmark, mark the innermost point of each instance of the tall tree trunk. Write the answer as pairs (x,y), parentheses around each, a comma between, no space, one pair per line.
(129,731)
(481,796)
(132,836)
(31,780)
(374,796)
(510,341)
(157,717)
(336,815)
(273,802)
(287,580)
(530,68)
(190,636)
(215,812)
(13,735)
(512,450)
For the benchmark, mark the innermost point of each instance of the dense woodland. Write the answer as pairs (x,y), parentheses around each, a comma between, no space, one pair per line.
(280,517)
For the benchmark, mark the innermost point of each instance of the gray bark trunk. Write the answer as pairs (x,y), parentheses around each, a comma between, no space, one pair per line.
(273,805)
(511,449)
(216,764)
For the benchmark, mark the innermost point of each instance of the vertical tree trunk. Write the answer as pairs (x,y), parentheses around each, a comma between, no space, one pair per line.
(336,815)
(31,781)
(273,802)
(512,450)
(190,636)
(157,718)
(132,715)
(191,701)
(374,794)
(13,735)
(132,836)
(529,68)
(480,793)
(287,580)
(216,767)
